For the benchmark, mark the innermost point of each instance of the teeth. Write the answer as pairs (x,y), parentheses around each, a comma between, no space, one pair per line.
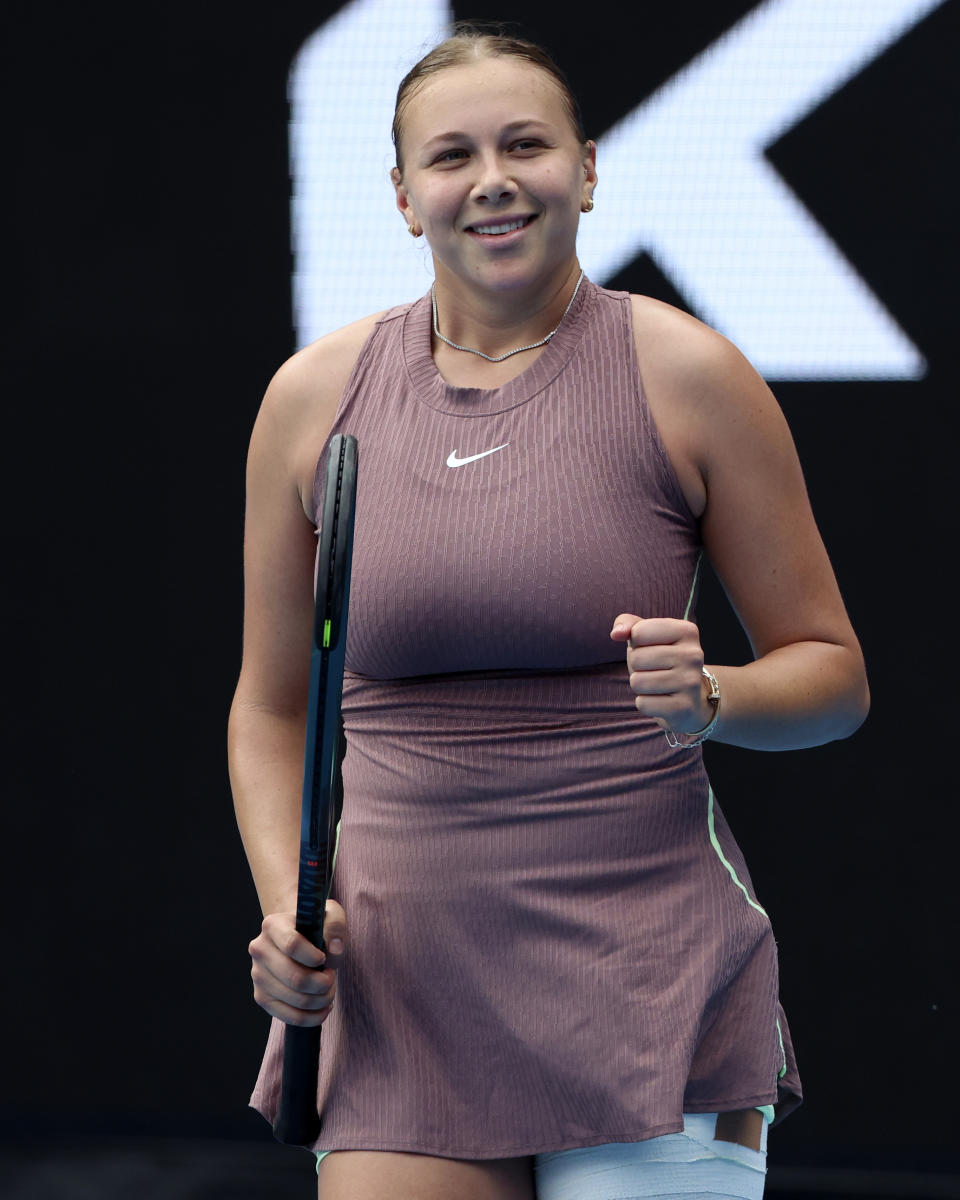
(508,228)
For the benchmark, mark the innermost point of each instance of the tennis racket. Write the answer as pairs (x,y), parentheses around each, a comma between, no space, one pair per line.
(298,1121)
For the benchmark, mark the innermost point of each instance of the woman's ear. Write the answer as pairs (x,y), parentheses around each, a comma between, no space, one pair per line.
(403,203)
(589,176)
(590,163)
(403,199)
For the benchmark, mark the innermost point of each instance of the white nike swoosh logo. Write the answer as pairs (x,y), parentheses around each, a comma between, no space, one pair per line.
(453,461)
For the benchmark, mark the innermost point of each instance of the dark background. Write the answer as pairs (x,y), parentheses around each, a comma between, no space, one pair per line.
(149,246)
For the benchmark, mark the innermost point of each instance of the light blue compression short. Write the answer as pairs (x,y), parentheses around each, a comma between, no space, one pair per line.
(691,1165)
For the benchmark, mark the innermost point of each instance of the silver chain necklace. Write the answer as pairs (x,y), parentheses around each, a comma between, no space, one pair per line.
(509,353)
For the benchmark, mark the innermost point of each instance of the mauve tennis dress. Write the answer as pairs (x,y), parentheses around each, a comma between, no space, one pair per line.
(554,937)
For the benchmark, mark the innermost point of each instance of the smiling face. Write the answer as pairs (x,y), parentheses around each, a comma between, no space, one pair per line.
(495,175)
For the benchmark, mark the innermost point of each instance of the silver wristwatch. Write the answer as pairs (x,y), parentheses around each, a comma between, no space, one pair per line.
(686,741)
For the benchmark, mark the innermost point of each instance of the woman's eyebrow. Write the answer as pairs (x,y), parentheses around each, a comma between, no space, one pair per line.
(453,136)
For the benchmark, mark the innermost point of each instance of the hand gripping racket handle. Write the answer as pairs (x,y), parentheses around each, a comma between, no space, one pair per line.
(298,1121)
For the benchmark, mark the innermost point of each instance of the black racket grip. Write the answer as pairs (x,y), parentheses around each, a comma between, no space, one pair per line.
(298,1122)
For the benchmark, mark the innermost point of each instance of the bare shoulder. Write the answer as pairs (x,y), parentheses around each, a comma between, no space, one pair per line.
(682,354)
(308,386)
(709,404)
(300,403)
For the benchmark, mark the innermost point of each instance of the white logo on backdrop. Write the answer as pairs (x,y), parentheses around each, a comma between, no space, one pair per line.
(352,252)
(683,177)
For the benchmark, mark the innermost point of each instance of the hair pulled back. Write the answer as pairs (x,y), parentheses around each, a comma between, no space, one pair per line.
(469,42)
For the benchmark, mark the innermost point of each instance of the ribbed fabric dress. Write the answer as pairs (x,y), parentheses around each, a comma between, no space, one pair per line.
(554,940)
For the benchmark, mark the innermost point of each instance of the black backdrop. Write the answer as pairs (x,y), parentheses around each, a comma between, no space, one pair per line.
(151,249)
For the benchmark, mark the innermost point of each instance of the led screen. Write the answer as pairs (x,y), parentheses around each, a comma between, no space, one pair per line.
(684,178)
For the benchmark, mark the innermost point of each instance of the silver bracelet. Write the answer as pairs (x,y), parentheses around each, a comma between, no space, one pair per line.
(695,739)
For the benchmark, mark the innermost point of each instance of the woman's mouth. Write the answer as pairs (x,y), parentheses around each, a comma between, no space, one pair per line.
(500,228)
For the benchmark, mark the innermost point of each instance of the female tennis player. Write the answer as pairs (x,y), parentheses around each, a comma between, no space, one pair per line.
(559,980)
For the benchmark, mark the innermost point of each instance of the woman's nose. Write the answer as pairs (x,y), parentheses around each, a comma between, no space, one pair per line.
(494,182)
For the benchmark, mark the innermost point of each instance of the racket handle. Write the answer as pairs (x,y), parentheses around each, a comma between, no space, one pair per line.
(298,1122)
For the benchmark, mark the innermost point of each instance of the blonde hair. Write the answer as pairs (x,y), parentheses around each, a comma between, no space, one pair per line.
(469,42)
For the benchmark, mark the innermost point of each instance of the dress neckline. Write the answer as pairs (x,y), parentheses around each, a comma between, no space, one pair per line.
(434,391)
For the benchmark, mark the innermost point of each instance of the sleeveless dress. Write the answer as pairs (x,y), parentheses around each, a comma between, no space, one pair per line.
(554,940)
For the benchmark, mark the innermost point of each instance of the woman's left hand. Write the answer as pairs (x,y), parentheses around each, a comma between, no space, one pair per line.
(665,661)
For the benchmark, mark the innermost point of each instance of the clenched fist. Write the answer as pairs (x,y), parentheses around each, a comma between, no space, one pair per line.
(665,661)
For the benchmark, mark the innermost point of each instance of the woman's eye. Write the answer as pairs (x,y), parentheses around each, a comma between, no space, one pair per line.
(450,156)
(526,144)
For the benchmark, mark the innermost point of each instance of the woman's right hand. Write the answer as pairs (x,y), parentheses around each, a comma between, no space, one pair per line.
(292,979)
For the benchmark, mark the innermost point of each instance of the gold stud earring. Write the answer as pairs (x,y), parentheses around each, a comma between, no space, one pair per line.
(587,205)
(413,231)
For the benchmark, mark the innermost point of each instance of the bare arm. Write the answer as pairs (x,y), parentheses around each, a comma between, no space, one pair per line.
(738,468)
(266,726)
(267,719)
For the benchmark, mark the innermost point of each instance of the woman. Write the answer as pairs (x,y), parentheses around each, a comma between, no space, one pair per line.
(559,980)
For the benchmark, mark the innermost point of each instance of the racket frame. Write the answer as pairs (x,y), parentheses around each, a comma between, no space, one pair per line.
(298,1121)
